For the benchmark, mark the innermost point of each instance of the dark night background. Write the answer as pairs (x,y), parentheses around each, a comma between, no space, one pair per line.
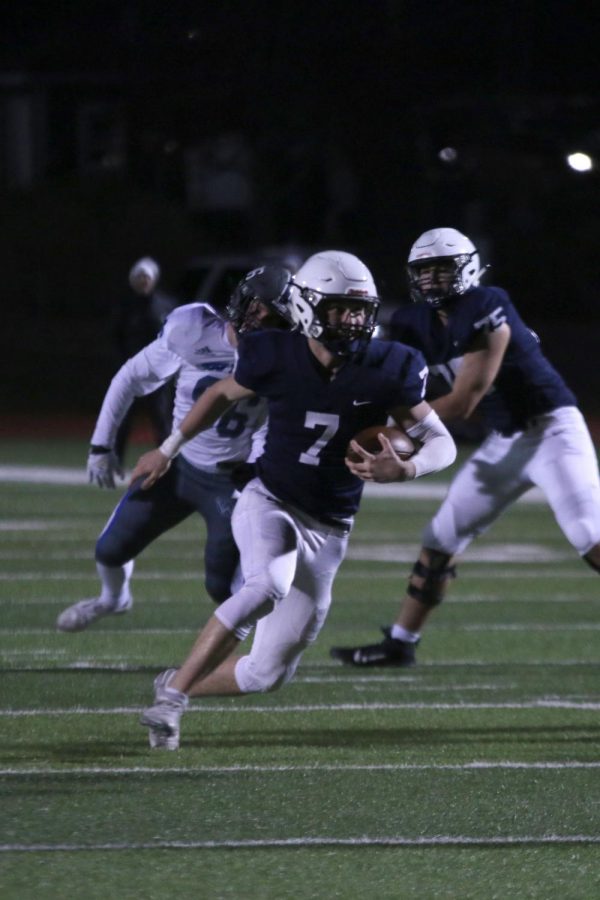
(174,129)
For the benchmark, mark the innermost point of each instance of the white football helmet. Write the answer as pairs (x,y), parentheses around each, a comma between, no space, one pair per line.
(325,279)
(442,245)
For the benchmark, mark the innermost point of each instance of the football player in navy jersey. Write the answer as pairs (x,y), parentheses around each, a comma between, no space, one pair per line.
(324,382)
(196,347)
(473,338)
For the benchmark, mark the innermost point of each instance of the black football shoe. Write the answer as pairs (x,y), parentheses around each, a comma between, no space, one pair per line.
(388,652)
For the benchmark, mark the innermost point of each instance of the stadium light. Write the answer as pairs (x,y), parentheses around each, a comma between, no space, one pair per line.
(448,155)
(580,162)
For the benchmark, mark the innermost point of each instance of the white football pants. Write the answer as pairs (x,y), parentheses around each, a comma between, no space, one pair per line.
(289,561)
(555,454)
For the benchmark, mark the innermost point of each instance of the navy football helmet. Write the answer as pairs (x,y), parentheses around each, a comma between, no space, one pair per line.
(268,286)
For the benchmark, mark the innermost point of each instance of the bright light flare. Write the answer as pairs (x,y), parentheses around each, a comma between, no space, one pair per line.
(448,155)
(580,162)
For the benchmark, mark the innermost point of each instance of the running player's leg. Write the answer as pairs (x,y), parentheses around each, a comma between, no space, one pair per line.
(267,540)
(295,622)
(138,519)
(566,469)
(491,480)
(212,495)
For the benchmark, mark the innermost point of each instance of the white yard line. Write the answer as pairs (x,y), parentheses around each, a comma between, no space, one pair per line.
(310,841)
(542,703)
(164,600)
(195,770)
(526,554)
(357,551)
(73,576)
(433,490)
(527,627)
(114,662)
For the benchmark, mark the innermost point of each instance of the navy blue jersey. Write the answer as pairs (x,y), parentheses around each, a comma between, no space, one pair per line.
(313,416)
(527,384)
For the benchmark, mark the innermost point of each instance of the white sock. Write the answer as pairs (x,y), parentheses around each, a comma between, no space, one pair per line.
(115,583)
(402,634)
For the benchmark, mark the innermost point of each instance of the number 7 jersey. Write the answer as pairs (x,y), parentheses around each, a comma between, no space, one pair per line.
(313,416)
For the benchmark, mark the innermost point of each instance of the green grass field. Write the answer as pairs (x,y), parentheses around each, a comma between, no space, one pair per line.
(473,775)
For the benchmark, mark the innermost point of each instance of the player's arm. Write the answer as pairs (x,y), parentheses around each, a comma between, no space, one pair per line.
(437,449)
(140,375)
(209,407)
(475,376)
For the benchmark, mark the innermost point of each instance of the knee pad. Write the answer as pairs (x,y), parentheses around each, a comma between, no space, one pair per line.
(431,593)
(261,677)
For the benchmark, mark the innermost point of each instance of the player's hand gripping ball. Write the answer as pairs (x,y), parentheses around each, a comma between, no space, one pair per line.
(368,440)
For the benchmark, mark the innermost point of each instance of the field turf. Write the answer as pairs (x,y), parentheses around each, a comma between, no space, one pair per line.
(474,775)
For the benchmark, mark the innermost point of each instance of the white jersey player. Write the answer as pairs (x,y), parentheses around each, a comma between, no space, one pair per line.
(197,347)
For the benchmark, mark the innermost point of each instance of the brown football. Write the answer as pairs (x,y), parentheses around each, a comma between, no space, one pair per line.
(368,440)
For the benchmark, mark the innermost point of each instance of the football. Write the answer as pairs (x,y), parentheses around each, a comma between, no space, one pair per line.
(368,440)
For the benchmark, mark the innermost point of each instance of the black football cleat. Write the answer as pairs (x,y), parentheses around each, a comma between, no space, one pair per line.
(388,652)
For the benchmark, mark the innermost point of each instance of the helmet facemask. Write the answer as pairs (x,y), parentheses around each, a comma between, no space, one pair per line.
(249,316)
(429,288)
(264,290)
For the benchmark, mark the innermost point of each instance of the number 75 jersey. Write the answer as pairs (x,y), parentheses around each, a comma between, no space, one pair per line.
(527,385)
(193,349)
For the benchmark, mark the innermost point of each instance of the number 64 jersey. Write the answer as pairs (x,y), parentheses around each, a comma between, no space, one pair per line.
(193,348)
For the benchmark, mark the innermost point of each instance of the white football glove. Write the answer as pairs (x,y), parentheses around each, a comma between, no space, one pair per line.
(102,466)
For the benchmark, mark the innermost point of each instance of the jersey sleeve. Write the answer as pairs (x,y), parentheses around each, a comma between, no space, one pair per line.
(495,308)
(142,374)
(407,376)
(415,377)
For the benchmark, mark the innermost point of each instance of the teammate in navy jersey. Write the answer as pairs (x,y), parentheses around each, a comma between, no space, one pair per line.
(196,347)
(323,383)
(474,340)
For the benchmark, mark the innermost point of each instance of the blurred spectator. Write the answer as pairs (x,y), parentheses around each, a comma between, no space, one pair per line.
(140,317)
